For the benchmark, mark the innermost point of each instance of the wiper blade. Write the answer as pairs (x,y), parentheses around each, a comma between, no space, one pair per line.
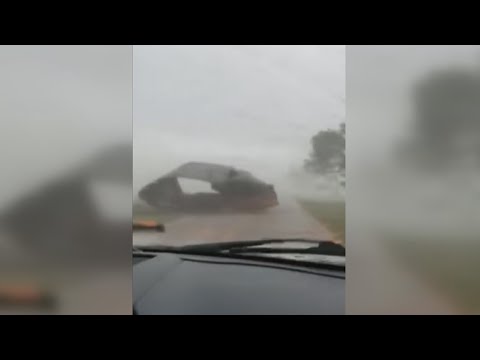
(154,248)
(315,247)
(331,249)
(237,247)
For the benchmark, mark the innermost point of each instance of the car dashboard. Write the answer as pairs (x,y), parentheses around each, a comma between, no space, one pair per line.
(187,284)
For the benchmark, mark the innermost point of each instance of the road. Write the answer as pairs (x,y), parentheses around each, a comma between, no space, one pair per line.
(87,289)
(287,220)
(105,291)
(380,284)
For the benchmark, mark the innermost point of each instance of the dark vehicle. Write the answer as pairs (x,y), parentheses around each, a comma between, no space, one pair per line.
(234,190)
(266,277)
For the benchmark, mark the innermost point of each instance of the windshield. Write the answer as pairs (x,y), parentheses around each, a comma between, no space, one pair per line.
(239,143)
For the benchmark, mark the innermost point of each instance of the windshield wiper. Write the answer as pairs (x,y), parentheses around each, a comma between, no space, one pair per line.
(261,246)
(154,248)
(314,247)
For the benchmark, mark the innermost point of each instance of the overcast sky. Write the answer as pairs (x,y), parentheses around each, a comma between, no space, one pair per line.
(249,106)
(59,105)
(380,79)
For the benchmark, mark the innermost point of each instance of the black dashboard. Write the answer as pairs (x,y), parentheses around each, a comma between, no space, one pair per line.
(182,284)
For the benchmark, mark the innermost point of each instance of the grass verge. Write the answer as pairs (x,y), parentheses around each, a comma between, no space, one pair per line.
(329,213)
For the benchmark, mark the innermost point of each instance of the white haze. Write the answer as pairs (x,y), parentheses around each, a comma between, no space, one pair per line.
(380,84)
(255,107)
(409,234)
(380,81)
(59,105)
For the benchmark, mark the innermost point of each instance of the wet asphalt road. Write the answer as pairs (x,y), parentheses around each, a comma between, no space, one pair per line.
(288,220)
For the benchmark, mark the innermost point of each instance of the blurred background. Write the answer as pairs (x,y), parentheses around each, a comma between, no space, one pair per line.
(413,148)
(65,189)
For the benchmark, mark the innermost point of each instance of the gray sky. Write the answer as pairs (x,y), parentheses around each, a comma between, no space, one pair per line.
(59,105)
(250,106)
(380,79)
(380,114)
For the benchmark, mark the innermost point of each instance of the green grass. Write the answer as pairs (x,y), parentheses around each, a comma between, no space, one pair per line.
(329,213)
(449,264)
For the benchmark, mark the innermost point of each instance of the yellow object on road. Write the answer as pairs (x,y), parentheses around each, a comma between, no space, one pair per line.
(148,225)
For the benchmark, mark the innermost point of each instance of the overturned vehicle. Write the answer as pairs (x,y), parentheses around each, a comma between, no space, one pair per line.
(234,190)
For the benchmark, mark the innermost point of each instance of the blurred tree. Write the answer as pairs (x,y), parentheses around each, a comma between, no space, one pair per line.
(328,152)
(446,125)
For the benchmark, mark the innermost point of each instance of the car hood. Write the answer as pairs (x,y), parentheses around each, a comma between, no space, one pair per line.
(172,284)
